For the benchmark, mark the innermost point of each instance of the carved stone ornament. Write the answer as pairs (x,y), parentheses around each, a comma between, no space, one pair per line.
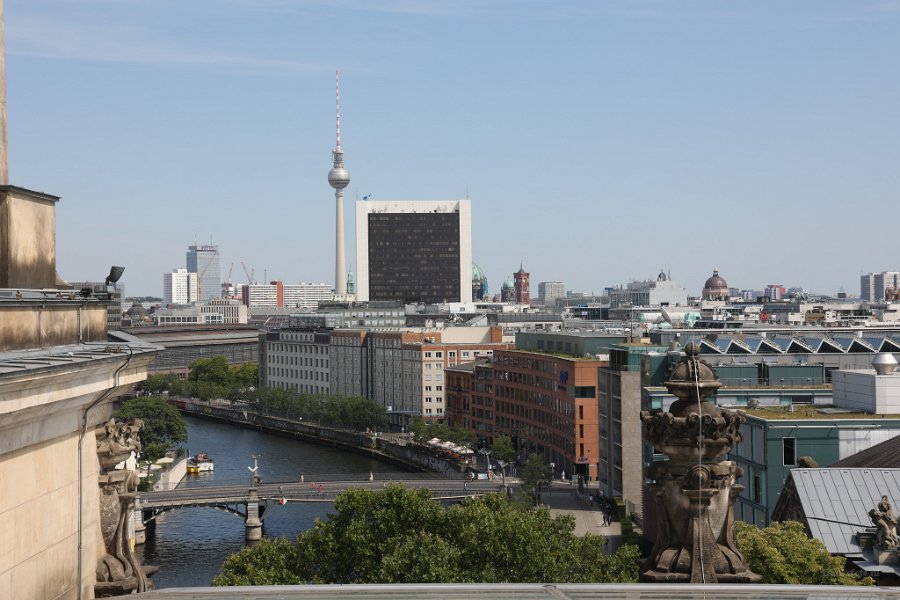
(118,571)
(695,490)
(885,526)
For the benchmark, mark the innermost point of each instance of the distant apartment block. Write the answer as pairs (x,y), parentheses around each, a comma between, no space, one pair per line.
(874,285)
(277,294)
(180,287)
(414,251)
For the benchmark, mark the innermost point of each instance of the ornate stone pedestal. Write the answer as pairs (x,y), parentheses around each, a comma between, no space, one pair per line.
(694,490)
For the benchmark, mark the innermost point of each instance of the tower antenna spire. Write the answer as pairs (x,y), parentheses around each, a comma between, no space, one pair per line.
(339,178)
(337,107)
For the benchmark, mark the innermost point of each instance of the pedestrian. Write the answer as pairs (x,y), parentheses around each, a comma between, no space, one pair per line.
(465,486)
(301,478)
(371,476)
(591,500)
(564,475)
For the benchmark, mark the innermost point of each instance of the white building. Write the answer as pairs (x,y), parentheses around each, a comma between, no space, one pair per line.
(277,294)
(306,295)
(661,292)
(414,251)
(180,287)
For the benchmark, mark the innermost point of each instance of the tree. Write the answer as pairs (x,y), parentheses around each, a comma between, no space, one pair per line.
(535,475)
(397,535)
(213,370)
(163,426)
(783,553)
(502,448)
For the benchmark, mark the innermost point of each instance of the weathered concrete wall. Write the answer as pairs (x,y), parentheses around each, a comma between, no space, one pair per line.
(40,425)
(27,238)
(172,476)
(31,324)
(39,519)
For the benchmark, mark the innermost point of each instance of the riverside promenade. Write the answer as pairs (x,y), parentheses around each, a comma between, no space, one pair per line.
(563,499)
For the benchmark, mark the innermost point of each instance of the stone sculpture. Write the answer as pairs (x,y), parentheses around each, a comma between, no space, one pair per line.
(885,524)
(695,490)
(118,571)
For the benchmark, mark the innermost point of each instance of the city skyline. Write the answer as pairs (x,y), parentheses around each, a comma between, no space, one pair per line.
(701,136)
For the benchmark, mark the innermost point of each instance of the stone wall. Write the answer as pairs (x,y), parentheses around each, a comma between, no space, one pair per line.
(39,519)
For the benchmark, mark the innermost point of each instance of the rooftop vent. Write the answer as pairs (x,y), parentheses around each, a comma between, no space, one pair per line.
(884,363)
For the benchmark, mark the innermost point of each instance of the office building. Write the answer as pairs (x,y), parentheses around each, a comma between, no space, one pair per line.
(180,287)
(549,291)
(414,251)
(204,261)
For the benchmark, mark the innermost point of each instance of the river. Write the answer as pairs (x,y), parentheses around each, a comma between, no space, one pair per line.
(190,544)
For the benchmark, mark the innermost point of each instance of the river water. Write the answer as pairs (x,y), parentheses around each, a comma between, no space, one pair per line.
(190,544)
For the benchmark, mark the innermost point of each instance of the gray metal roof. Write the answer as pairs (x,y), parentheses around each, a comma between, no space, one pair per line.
(837,501)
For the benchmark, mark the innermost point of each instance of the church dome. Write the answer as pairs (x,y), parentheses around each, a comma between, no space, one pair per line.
(715,288)
(508,284)
(137,310)
(477,273)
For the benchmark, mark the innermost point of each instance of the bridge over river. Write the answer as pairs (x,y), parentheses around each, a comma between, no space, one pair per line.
(250,502)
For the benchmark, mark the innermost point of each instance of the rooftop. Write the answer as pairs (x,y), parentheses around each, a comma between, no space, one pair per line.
(807,411)
(533,591)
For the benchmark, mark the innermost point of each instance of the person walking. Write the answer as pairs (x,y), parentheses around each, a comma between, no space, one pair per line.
(591,500)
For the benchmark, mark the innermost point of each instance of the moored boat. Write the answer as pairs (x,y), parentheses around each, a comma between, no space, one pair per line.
(199,463)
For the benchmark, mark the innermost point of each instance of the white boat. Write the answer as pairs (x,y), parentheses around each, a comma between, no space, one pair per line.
(199,463)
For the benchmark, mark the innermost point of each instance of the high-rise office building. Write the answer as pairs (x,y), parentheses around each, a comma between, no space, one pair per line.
(414,251)
(204,261)
(180,287)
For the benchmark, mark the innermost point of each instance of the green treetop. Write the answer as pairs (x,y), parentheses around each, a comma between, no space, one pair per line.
(397,535)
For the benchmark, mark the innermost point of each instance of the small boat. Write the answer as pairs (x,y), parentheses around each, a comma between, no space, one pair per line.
(199,463)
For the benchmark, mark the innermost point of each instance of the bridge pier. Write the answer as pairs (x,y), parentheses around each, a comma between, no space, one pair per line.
(253,525)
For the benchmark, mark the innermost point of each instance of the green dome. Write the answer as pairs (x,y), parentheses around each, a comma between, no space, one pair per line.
(477,273)
(508,284)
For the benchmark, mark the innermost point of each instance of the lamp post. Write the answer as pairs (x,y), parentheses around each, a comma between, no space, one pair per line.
(254,477)
(487,459)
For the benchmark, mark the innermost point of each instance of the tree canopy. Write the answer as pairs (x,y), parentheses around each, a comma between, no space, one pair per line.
(163,426)
(397,535)
(783,553)
(502,448)
(426,429)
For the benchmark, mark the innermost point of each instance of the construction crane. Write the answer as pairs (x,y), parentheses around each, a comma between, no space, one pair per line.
(249,274)
(228,285)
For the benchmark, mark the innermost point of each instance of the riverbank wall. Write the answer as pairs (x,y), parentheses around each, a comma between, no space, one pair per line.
(392,448)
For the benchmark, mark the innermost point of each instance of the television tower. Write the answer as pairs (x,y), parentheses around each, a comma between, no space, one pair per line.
(339,178)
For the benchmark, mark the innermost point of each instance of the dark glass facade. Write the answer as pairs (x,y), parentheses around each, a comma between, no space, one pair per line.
(414,257)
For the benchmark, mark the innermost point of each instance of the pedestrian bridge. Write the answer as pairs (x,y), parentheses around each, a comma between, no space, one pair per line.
(250,502)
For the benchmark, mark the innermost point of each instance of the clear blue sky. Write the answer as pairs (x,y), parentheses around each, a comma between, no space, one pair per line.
(598,140)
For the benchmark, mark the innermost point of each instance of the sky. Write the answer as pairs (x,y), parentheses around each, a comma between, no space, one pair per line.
(599,141)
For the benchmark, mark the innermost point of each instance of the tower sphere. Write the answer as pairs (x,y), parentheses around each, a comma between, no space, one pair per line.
(338,177)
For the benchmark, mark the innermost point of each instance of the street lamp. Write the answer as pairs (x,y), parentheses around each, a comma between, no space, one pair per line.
(254,477)
(487,459)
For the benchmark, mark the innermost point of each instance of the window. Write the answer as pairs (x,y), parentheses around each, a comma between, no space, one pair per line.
(581,412)
(439,388)
(581,431)
(789,449)
(427,398)
(428,388)
(757,492)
